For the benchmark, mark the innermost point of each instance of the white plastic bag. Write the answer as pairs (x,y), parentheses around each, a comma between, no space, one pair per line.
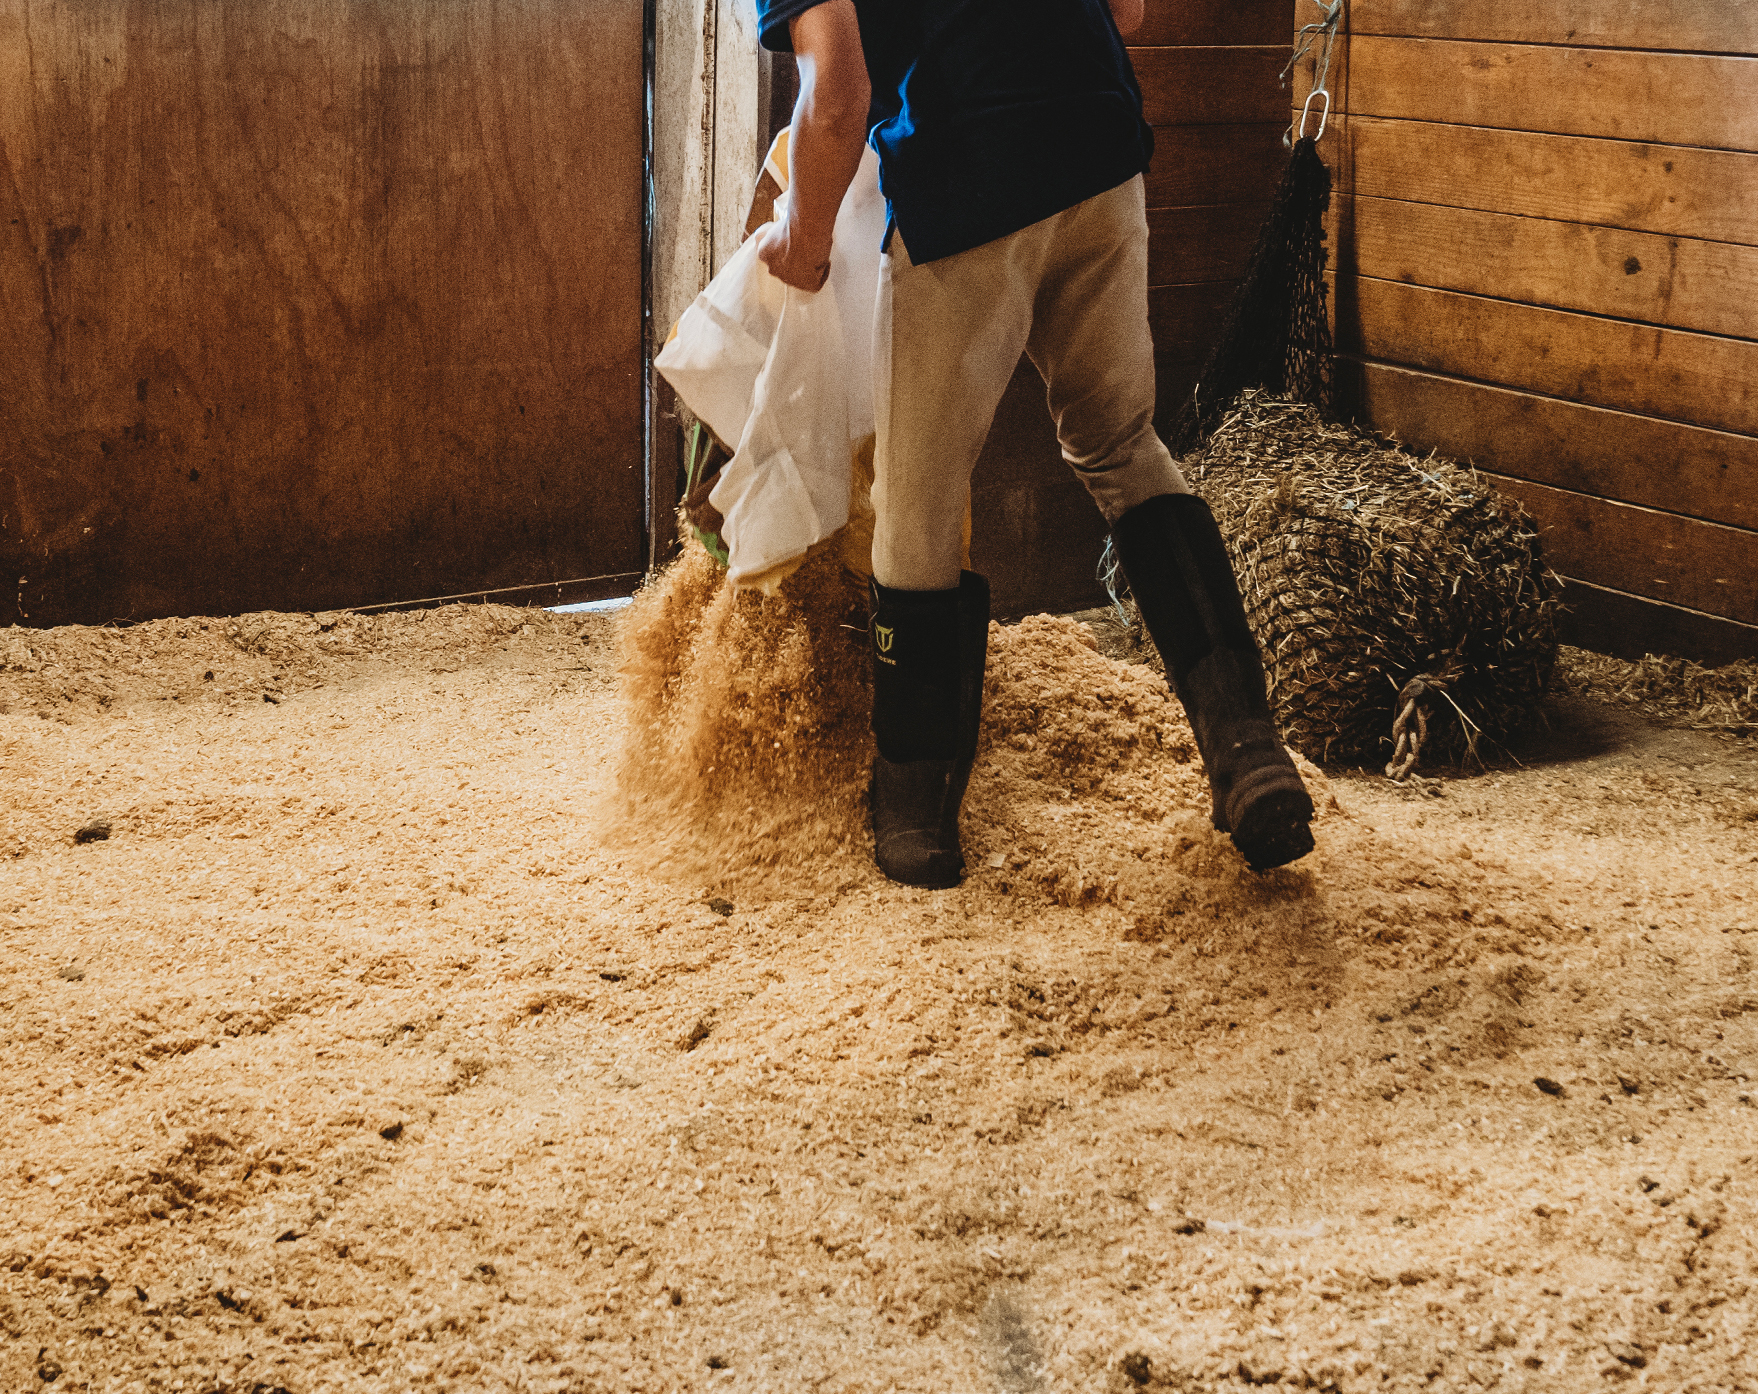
(717,351)
(788,375)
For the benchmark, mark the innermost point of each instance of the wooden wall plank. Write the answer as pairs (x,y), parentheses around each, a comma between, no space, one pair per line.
(1035,531)
(1215,164)
(1212,22)
(1198,86)
(1684,283)
(1660,98)
(1547,233)
(1710,194)
(1201,244)
(1188,315)
(1705,474)
(1668,373)
(1610,621)
(1697,26)
(1702,566)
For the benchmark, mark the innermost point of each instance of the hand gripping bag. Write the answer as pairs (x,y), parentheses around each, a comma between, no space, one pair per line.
(788,376)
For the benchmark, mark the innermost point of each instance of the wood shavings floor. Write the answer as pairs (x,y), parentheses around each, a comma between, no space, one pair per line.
(357,1057)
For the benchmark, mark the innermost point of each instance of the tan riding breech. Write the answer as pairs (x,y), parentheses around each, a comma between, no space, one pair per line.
(1072,293)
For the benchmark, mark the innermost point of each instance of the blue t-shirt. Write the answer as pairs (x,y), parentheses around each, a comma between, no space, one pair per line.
(990,115)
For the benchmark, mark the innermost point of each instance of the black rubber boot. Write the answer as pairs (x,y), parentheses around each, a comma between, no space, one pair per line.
(929,652)
(1178,570)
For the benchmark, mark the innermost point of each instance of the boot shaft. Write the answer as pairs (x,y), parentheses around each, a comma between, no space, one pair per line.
(929,651)
(1182,581)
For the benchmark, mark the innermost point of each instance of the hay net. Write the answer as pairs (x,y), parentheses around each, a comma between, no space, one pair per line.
(1277,334)
(1402,605)
(1365,569)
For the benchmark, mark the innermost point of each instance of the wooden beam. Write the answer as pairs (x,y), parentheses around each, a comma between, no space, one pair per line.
(682,220)
(1660,98)
(1710,194)
(1202,86)
(1712,475)
(1683,283)
(739,123)
(1695,378)
(1696,26)
(1215,164)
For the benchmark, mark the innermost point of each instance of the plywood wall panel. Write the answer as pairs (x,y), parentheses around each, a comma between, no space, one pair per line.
(305,304)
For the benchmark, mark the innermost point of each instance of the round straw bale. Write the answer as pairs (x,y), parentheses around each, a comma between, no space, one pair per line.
(1364,567)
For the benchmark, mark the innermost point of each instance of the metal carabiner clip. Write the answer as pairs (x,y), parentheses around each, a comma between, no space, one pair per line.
(1324,116)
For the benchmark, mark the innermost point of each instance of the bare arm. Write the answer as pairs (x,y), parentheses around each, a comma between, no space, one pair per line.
(1127,14)
(829,132)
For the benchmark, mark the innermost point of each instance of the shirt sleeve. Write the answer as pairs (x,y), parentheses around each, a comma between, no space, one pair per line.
(772,18)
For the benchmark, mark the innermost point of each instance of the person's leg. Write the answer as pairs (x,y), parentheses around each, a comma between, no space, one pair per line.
(1091,341)
(946,339)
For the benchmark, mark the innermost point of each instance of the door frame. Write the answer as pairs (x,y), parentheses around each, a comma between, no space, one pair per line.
(715,99)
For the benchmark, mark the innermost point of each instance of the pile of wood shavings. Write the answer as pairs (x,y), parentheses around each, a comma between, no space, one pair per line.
(364,1055)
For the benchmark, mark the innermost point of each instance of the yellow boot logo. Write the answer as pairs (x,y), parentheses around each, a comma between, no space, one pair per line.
(882,638)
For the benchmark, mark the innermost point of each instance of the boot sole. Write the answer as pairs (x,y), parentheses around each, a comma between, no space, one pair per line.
(930,868)
(1272,828)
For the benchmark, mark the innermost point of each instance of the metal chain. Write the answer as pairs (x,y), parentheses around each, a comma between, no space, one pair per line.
(1410,729)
